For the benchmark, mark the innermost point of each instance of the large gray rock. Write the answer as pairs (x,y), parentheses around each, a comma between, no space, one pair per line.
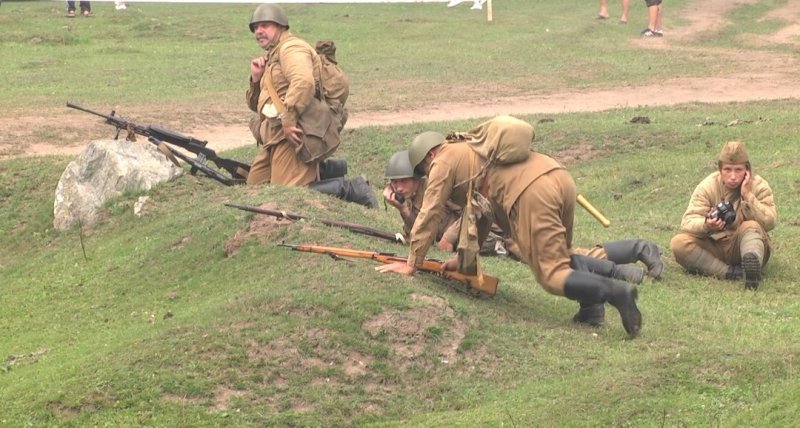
(106,169)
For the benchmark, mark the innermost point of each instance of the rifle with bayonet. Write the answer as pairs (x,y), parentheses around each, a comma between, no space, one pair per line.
(477,285)
(355,228)
(237,170)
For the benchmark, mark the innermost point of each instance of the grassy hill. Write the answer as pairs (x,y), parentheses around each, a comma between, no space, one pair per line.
(191,315)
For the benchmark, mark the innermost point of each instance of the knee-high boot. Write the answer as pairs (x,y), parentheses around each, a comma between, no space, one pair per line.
(701,262)
(591,289)
(594,314)
(355,190)
(751,247)
(633,250)
(607,268)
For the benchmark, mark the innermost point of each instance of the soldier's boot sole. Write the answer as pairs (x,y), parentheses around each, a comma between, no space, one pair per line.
(624,299)
(751,265)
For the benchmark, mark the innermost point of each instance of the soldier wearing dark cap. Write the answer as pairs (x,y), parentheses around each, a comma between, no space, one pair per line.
(724,231)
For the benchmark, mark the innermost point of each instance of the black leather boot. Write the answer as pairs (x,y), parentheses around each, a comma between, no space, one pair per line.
(590,313)
(735,272)
(633,250)
(591,289)
(355,190)
(332,168)
(609,269)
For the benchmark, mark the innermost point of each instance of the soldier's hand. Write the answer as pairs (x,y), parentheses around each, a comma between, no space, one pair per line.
(388,195)
(257,67)
(745,190)
(293,134)
(450,264)
(398,267)
(445,245)
(715,223)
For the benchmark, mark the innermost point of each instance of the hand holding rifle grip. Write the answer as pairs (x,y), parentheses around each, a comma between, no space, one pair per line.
(483,283)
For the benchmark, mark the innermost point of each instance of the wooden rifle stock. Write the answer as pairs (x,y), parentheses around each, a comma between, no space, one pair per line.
(482,283)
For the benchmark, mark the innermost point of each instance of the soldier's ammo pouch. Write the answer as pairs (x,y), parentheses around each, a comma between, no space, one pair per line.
(320,125)
(320,121)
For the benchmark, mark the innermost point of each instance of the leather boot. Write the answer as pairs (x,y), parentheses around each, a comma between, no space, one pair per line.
(332,168)
(751,247)
(628,273)
(592,314)
(734,273)
(591,289)
(355,190)
(633,250)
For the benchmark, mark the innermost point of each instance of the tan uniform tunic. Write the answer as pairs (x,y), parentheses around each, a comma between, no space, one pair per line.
(756,210)
(450,167)
(534,203)
(449,226)
(293,67)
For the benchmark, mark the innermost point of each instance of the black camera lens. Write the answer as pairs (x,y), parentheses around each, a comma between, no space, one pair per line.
(724,211)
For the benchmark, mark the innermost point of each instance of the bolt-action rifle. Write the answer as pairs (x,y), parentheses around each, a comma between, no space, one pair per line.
(476,285)
(238,170)
(355,228)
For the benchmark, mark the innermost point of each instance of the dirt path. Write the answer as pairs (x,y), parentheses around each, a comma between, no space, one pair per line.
(766,76)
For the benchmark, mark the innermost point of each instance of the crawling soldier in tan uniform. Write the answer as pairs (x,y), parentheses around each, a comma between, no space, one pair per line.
(739,247)
(405,192)
(406,186)
(533,202)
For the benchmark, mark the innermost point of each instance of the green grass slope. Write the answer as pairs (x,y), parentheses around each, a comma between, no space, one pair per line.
(191,315)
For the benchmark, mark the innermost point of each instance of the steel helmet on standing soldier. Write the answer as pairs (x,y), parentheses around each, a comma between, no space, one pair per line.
(422,144)
(399,167)
(269,12)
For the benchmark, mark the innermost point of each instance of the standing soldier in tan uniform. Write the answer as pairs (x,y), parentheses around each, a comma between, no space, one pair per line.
(533,202)
(292,67)
(728,242)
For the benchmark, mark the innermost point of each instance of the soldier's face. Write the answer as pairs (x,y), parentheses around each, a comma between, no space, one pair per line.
(265,32)
(404,186)
(732,174)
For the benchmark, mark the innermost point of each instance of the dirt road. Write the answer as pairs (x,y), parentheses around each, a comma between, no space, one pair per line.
(766,76)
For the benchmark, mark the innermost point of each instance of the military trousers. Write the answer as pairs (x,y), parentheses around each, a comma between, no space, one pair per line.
(725,249)
(541,221)
(278,164)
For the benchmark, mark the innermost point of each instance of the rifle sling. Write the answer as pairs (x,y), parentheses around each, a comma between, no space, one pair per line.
(273,94)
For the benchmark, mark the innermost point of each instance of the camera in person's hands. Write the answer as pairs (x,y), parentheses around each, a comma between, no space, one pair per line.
(723,211)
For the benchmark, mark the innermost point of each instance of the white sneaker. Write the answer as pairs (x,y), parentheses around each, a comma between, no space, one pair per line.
(478,4)
(455,2)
